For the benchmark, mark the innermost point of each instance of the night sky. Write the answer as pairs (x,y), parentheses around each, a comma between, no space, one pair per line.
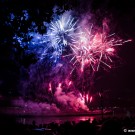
(117,83)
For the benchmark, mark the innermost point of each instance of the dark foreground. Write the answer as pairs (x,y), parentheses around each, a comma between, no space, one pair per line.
(106,126)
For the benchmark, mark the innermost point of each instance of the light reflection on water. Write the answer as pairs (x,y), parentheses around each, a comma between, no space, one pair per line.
(59,120)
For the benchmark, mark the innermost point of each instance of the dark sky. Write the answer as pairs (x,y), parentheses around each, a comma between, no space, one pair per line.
(121,80)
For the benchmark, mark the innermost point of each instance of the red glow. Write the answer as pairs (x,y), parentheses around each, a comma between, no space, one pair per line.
(99,94)
(50,87)
(81,69)
(129,40)
(87,97)
(110,50)
(69,83)
(59,85)
(91,98)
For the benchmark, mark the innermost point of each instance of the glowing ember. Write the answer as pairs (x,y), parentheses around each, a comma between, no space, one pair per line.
(91,98)
(50,87)
(69,83)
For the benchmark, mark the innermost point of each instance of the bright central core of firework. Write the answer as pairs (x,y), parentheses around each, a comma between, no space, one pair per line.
(62,32)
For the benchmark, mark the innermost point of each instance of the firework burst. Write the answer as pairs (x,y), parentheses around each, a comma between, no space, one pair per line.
(95,49)
(62,32)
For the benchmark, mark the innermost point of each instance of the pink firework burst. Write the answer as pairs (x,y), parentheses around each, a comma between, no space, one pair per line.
(95,49)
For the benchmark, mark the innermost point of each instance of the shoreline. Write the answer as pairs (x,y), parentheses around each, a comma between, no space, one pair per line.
(21,112)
